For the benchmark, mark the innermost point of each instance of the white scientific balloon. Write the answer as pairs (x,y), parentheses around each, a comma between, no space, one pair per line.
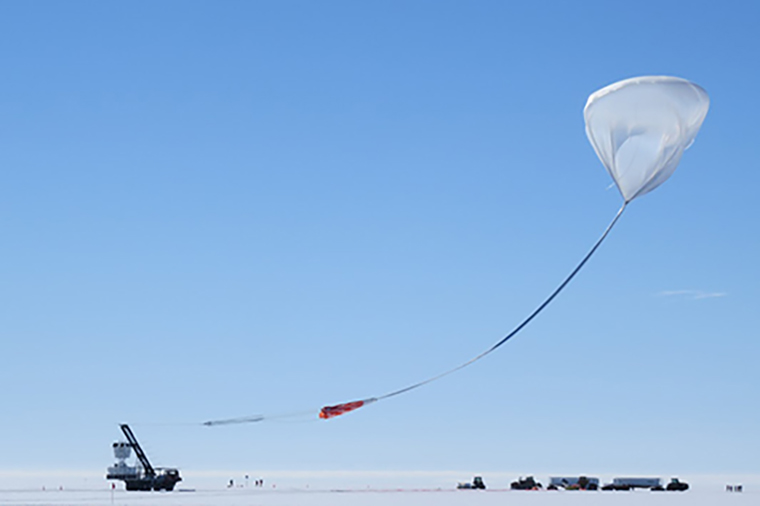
(640,127)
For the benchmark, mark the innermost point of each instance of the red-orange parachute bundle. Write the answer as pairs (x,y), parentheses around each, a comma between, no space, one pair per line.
(340,409)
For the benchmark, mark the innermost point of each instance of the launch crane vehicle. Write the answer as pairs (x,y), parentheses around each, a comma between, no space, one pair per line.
(143,476)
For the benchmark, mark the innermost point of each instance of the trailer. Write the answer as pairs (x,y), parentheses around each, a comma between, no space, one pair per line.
(637,482)
(143,476)
(632,483)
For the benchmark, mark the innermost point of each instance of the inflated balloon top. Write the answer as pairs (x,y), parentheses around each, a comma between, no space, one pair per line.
(640,127)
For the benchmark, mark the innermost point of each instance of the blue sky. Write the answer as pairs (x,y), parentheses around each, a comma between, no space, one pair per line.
(214,210)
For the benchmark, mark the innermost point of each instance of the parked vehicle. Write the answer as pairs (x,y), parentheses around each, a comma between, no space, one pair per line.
(573,483)
(477,483)
(526,484)
(653,484)
(143,476)
(677,486)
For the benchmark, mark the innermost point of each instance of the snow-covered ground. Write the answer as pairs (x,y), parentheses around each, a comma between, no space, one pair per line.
(352,488)
(451,497)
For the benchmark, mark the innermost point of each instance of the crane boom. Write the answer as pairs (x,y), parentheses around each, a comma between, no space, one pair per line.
(149,471)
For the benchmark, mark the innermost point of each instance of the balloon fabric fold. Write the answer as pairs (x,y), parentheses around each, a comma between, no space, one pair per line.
(640,128)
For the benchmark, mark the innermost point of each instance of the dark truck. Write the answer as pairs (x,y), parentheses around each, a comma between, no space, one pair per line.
(144,477)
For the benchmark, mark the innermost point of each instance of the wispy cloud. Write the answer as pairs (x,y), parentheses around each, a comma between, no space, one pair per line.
(691,294)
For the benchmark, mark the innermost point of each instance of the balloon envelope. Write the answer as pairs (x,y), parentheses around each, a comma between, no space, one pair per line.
(640,127)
